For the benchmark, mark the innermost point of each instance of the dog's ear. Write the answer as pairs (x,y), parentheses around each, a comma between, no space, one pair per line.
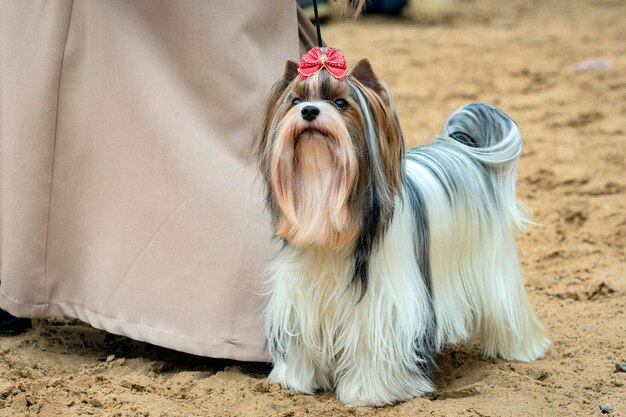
(364,73)
(291,70)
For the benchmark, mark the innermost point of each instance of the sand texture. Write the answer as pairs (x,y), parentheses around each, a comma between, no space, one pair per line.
(519,55)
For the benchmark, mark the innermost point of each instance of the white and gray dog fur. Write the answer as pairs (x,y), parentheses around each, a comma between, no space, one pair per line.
(433,263)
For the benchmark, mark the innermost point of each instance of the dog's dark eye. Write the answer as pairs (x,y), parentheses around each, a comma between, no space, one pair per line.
(341,103)
(296,101)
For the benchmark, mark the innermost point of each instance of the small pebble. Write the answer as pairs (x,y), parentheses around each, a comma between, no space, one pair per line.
(7,391)
(606,409)
(558,386)
(96,403)
(110,358)
(156,367)
(620,366)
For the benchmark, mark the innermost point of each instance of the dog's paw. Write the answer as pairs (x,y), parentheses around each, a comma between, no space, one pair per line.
(530,346)
(377,393)
(533,347)
(290,380)
(301,379)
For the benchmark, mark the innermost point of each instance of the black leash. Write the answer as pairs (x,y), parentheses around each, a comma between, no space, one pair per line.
(317,24)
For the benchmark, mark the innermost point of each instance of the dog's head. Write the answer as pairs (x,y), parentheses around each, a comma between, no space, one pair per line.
(330,150)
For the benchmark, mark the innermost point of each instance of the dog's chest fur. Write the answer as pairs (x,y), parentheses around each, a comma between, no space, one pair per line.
(323,301)
(316,308)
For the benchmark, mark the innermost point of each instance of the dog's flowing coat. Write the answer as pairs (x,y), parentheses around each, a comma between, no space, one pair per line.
(387,255)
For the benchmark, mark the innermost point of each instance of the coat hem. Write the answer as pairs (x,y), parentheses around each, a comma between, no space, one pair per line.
(227,349)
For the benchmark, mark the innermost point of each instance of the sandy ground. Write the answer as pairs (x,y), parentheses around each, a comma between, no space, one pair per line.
(516,54)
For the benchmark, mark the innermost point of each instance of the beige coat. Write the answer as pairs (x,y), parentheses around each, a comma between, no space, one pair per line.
(128,198)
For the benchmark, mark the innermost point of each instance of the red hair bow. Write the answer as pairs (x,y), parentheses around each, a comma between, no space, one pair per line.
(318,58)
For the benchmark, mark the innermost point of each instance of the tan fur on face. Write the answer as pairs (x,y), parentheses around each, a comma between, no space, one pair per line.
(312,175)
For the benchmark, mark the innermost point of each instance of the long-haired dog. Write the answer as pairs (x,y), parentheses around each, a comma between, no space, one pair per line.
(387,255)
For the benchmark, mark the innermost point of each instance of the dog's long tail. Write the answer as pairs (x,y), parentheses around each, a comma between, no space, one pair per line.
(492,138)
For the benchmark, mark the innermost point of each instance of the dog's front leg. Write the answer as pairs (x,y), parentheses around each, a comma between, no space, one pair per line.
(367,379)
(297,370)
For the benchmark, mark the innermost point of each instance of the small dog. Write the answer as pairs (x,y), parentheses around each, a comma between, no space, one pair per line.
(387,255)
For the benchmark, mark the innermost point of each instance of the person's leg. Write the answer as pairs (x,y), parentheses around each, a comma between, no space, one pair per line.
(11,325)
(389,7)
(323,8)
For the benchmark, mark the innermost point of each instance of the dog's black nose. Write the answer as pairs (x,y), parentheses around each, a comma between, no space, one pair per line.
(309,113)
